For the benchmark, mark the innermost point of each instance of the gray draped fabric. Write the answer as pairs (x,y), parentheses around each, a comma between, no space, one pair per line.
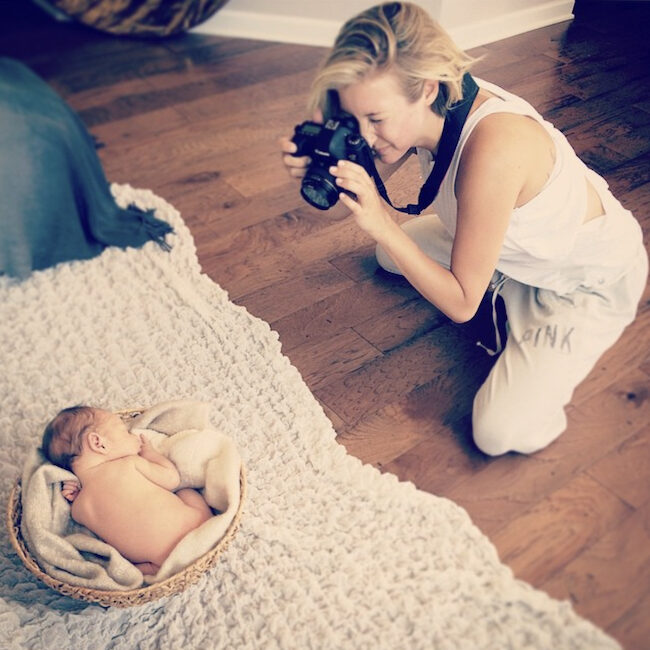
(55,202)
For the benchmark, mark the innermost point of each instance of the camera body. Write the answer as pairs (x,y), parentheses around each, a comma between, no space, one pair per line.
(337,139)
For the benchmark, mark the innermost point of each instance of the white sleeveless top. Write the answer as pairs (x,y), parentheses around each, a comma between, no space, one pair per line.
(546,244)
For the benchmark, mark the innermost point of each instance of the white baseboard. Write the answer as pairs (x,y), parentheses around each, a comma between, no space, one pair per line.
(510,24)
(322,32)
(270,27)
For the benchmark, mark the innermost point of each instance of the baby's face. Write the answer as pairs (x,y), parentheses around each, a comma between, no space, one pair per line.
(112,427)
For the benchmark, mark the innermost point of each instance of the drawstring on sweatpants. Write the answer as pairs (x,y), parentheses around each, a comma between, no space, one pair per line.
(495,288)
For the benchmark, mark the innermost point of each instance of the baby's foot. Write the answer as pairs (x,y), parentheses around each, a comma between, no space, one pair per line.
(148,568)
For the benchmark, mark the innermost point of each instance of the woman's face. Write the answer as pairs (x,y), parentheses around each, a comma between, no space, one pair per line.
(389,121)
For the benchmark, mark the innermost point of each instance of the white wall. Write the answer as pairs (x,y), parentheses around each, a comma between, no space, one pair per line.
(316,22)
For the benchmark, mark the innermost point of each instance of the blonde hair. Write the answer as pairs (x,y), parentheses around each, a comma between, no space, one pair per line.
(396,36)
(63,436)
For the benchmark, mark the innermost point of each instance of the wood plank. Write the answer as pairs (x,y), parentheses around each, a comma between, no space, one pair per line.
(358,264)
(625,471)
(544,92)
(418,437)
(338,235)
(549,41)
(273,302)
(557,529)
(633,173)
(368,389)
(400,323)
(325,361)
(389,434)
(139,128)
(608,104)
(605,73)
(253,100)
(628,134)
(509,74)
(355,307)
(282,245)
(632,627)
(608,579)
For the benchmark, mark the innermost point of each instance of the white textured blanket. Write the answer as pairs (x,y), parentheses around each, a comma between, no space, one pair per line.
(330,553)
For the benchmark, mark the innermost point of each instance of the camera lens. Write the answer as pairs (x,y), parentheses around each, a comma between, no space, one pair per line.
(319,190)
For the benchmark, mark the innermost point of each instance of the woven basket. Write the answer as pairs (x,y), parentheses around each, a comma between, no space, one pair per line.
(115,598)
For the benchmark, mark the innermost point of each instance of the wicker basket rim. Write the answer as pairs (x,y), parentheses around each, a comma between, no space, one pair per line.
(128,597)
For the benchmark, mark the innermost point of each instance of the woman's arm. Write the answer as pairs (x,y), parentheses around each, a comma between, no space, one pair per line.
(491,175)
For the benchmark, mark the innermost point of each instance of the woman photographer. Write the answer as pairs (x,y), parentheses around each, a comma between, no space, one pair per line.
(517,213)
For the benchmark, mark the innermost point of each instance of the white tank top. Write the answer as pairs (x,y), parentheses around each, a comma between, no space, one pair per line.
(546,244)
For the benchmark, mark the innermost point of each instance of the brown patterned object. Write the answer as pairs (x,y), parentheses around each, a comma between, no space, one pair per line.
(139,17)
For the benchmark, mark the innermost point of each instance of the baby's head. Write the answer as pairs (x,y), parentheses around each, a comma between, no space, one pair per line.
(64,435)
(80,430)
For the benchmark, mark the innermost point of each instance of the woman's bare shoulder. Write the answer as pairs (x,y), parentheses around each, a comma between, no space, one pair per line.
(513,149)
(507,129)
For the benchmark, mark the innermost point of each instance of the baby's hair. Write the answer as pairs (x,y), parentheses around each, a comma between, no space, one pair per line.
(396,36)
(63,436)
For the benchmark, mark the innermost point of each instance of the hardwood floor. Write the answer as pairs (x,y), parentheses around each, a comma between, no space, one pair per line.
(196,120)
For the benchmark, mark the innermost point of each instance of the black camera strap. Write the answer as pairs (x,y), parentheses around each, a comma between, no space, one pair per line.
(451,130)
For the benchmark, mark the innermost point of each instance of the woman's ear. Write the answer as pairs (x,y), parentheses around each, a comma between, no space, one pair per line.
(96,443)
(430,91)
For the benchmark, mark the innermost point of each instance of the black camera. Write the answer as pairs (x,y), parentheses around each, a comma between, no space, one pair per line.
(338,139)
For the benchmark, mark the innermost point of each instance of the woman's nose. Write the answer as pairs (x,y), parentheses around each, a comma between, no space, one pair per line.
(368,133)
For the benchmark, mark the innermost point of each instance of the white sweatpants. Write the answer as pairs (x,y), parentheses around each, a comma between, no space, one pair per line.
(553,343)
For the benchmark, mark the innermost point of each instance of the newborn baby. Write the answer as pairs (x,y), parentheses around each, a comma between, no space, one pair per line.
(126,496)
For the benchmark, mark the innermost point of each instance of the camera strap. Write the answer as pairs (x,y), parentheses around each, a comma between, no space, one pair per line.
(451,130)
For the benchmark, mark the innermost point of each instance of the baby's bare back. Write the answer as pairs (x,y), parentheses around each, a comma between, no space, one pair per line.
(142,520)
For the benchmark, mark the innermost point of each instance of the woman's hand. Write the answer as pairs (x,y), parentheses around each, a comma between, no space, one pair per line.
(366,205)
(295,165)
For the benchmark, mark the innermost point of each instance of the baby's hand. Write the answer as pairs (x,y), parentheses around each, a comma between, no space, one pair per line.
(70,490)
(147,450)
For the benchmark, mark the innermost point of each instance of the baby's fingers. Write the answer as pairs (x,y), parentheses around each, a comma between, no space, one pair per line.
(70,489)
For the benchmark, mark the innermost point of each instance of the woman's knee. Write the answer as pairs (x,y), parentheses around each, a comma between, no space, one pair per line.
(491,435)
(431,236)
(498,431)
(384,260)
